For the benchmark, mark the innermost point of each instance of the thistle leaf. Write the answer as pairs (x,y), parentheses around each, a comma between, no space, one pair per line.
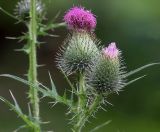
(140,68)
(100,126)
(7,13)
(18,111)
(20,128)
(134,80)
(67,79)
(46,92)
(54,91)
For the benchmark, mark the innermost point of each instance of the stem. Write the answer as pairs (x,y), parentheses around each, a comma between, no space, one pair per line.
(81,98)
(83,118)
(32,72)
(81,103)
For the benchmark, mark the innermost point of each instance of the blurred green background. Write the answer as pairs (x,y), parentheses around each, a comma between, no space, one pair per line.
(133,24)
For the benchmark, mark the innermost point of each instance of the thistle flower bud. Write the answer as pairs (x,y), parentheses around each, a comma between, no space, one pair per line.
(106,74)
(23,7)
(77,18)
(78,52)
(111,52)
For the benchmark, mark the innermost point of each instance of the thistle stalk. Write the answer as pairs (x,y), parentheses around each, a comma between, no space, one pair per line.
(82,118)
(80,106)
(32,72)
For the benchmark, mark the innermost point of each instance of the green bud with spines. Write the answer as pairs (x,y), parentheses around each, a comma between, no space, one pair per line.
(23,7)
(78,52)
(107,72)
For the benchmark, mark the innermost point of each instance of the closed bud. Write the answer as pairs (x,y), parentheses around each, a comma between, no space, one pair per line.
(106,74)
(78,52)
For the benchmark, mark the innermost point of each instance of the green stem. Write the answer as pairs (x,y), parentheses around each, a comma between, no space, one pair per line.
(81,102)
(81,98)
(84,117)
(32,72)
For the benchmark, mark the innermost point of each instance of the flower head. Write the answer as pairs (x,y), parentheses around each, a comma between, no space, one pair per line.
(77,18)
(111,51)
(23,7)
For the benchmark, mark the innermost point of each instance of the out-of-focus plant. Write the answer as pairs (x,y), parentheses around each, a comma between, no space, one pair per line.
(99,71)
(32,14)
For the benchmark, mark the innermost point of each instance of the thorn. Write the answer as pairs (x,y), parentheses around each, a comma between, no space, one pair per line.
(26,75)
(12,96)
(12,38)
(109,103)
(103,108)
(42,65)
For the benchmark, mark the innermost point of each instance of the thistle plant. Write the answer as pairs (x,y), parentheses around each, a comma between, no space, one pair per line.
(99,71)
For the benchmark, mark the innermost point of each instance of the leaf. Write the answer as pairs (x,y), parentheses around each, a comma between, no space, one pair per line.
(134,80)
(18,110)
(140,68)
(50,26)
(9,14)
(68,81)
(45,91)
(100,126)
(20,128)
(54,91)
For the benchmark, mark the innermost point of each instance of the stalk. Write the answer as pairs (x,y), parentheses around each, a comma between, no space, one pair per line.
(84,117)
(81,98)
(32,72)
(81,101)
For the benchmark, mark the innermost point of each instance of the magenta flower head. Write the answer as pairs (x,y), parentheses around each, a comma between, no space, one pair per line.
(111,51)
(77,18)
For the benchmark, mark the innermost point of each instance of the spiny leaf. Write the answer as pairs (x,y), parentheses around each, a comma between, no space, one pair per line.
(54,91)
(100,126)
(50,26)
(46,92)
(26,49)
(53,26)
(140,68)
(17,110)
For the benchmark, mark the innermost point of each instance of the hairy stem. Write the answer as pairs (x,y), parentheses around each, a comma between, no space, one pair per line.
(81,102)
(81,98)
(87,113)
(32,72)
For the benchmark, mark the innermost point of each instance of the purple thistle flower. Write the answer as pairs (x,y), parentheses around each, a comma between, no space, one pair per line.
(111,51)
(77,18)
